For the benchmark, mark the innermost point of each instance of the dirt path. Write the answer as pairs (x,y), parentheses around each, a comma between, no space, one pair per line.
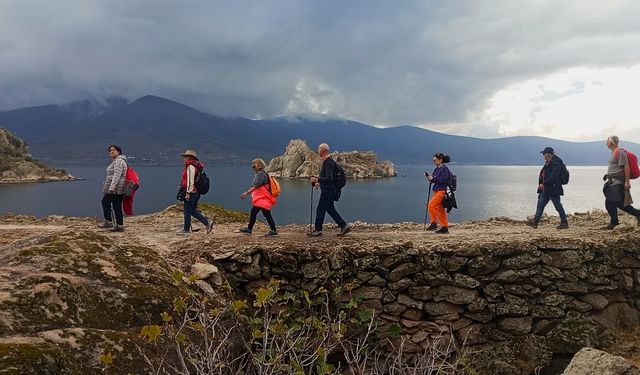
(159,232)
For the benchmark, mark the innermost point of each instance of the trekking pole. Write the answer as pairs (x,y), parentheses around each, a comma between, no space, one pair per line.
(426,208)
(311,211)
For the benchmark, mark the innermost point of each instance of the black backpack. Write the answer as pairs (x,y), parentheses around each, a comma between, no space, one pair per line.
(339,178)
(202,182)
(453,182)
(564,174)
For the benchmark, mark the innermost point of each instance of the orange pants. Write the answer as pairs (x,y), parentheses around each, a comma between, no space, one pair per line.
(436,209)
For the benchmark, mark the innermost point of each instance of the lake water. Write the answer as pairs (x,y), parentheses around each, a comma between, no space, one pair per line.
(483,191)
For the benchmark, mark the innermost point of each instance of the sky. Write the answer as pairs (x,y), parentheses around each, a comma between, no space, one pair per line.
(562,69)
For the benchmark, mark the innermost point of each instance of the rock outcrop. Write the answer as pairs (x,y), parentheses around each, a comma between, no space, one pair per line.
(299,161)
(589,361)
(16,165)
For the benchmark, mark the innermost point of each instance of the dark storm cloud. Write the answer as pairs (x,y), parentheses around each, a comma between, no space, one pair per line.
(380,62)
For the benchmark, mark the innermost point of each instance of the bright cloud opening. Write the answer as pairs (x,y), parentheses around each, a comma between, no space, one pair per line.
(580,104)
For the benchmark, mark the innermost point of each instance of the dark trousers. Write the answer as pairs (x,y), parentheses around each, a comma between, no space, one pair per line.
(543,199)
(191,209)
(267,215)
(616,195)
(115,201)
(326,205)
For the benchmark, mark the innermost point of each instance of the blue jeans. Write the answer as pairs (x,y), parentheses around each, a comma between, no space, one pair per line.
(326,205)
(543,199)
(191,209)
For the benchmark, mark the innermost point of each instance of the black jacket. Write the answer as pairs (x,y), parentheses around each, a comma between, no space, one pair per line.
(550,177)
(327,174)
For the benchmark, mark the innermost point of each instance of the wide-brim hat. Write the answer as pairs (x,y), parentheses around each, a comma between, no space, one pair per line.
(190,153)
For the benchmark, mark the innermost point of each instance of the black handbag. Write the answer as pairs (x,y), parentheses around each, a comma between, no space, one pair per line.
(181,193)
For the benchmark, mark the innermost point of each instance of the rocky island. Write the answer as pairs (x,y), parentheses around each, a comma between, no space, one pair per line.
(299,161)
(494,297)
(17,165)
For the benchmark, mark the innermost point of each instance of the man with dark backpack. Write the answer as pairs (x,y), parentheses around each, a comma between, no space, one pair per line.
(331,181)
(552,176)
(623,166)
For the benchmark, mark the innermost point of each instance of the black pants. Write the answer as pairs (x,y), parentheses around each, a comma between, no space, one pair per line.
(615,195)
(115,201)
(267,215)
(326,205)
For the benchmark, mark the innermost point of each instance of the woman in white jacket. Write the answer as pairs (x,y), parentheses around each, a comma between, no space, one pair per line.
(113,190)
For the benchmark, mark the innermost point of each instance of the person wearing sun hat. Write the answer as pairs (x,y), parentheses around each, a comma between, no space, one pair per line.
(192,166)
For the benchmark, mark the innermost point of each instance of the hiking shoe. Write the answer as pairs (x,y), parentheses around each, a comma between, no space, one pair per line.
(271,233)
(117,228)
(443,230)
(210,227)
(432,226)
(183,232)
(609,226)
(246,231)
(564,225)
(531,224)
(344,230)
(105,225)
(315,233)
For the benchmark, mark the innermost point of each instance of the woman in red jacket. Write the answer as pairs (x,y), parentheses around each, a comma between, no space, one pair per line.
(261,198)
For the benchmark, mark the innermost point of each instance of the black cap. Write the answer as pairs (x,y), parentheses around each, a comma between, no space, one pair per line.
(547,150)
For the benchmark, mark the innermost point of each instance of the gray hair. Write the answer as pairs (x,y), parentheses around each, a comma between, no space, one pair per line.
(323,147)
(614,139)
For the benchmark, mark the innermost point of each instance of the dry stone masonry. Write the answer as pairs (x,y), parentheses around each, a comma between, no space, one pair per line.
(515,305)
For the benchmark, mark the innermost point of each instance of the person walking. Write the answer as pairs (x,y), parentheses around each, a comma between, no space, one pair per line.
(113,190)
(550,188)
(329,193)
(261,198)
(192,167)
(441,178)
(617,188)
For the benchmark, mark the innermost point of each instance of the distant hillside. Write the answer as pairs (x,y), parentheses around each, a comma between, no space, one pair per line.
(156,130)
(16,165)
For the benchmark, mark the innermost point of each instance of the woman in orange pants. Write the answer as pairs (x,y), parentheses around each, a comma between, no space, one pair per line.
(441,178)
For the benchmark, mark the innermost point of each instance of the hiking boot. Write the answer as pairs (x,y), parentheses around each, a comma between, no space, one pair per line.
(271,233)
(117,228)
(531,224)
(183,232)
(315,233)
(432,226)
(105,225)
(344,230)
(609,226)
(246,231)
(210,226)
(563,225)
(443,230)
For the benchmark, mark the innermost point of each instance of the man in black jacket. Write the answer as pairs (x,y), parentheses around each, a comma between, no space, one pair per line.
(328,194)
(550,188)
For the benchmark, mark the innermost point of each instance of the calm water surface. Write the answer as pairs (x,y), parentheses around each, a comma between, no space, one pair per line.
(483,191)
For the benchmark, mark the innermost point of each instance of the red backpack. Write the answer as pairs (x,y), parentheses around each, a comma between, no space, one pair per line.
(131,182)
(632,159)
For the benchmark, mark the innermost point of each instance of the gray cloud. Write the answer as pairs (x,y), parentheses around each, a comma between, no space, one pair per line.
(380,62)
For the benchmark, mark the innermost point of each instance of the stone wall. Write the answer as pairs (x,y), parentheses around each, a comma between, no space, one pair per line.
(518,304)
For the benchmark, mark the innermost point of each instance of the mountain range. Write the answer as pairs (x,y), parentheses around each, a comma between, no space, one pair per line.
(155,130)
